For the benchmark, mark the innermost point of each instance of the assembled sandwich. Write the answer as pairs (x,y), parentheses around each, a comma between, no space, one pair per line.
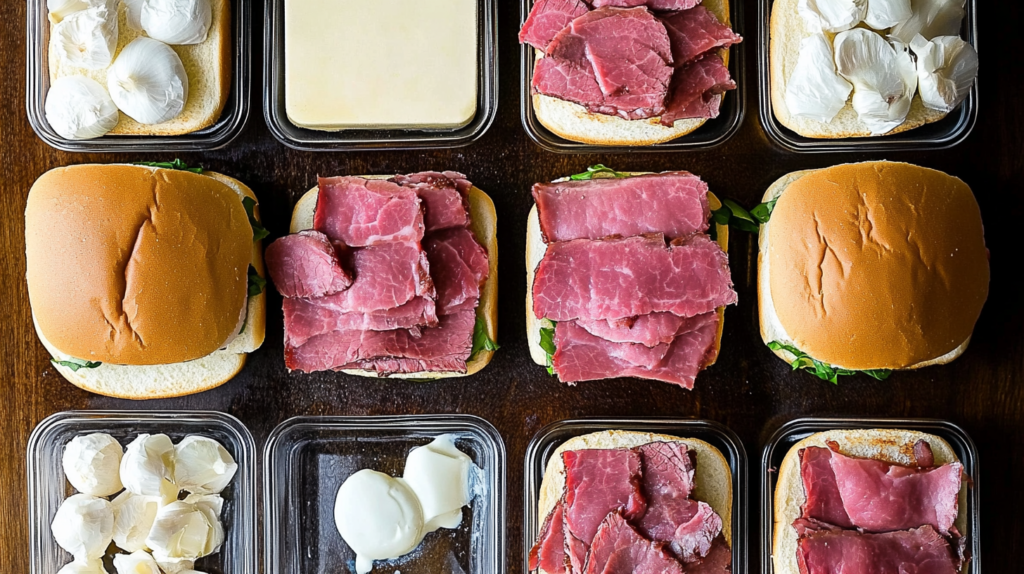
(144,282)
(870,267)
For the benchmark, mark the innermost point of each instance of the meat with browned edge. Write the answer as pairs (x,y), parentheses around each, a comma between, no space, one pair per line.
(697,89)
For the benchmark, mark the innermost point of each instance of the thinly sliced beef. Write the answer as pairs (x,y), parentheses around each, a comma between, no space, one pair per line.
(694,32)
(307,318)
(547,18)
(718,560)
(360,212)
(548,553)
(823,501)
(619,549)
(652,4)
(697,90)
(674,204)
(458,285)
(388,275)
(917,551)
(445,348)
(443,195)
(436,179)
(305,264)
(597,482)
(648,330)
(618,278)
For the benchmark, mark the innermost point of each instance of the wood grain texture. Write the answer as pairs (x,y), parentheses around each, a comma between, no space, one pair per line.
(748,389)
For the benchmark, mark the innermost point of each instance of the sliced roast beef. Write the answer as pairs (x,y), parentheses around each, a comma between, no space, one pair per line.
(305,265)
(823,501)
(360,212)
(617,278)
(718,560)
(388,275)
(674,204)
(697,90)
(451,253)
(443,195)
(652,4)
(619,549)
(648,330)
(694,32)
(917,551)
(548,553)
(547,18)
(597,482)
(306,318)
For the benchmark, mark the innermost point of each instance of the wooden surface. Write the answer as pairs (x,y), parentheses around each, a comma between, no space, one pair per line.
(749,390)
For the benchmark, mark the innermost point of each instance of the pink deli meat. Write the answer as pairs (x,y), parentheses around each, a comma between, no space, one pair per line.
(547,18)
(460,268)
(619,549)
(696,31)
(697,89)
(916,551)
(444,197)
(648,330)
(305,264)
(652,4)
(360,212)
(548,553)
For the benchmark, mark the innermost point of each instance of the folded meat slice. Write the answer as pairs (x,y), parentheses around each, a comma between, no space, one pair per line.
(443,196)
(619,549)
(459,267)
(597,482)
(674,204)
(307,318)
(822,499)
(548,553)
(648,330)
(547,18)
(387,275)
(360,212)
(718,560)
(305,264)
(695,31)
(652,4)
(697,89)
(620,278)
(917,551)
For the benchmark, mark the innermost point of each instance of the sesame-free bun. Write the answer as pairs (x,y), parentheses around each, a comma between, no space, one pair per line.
(573,122)
(144,270)
(888,445)
(875,265)
(712,477)
(484,225)
(787,30)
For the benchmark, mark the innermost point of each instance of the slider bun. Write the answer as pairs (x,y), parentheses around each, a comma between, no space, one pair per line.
(875,265)
(573,122)
(484,226)
(712,478)
(787,30)
(892,446)
(535,249)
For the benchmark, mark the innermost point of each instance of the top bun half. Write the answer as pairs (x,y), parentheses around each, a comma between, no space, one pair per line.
(134,265)
(877,265)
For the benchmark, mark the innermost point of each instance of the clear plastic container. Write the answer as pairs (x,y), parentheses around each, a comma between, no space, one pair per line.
(799,429)
(47,487)
(308,458)
(713,133)
(369,139)
(224,131)
(552,436)
(945,133)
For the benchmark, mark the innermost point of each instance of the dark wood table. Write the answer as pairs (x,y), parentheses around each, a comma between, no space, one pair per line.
(749,390)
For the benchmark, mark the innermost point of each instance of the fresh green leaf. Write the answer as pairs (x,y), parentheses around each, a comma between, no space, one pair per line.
(822,370)
(735,216)
(75,364)
(176,164)
(596,169)
(547,342)
(762,212)
(258,231)
(256,283)
(481,338)
(738,212)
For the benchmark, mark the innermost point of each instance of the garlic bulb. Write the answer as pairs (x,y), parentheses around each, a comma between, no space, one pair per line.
(148,465)
(884,14)
(180,531)
(202,465)
(883,77)
(931,18)
(91,462)
(83,567)
(133,9)
(177,21)
(170,566)
(946,69)
(831,15)
(133,519)
(84,525)
(816,90)
(135,563)
(79,108)
(148,82)
(87,38)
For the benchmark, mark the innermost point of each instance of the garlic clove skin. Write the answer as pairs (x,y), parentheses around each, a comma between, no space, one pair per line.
(148,82)
(831,15)
(815,90)
(135,563)
(79,108)
(212,502)
(203,465)
(884,14)
(148,466)
(84,526)
(946,69)
(133,519)
(133,9)
(931,18)
(177,21)
(58,10)
(87,38)
(180,531)
(211,505)
(84,567)
(91,462)
(883,77)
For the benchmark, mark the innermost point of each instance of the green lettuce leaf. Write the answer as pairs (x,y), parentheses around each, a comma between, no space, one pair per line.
(258,231)
(75,364)
(547,342)
(596,169)
(176,164)
(822,370)
(481,339)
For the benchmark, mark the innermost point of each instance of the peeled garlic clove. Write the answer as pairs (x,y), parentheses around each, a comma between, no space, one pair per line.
(87,38)
(815,90)
(946,69)
(211,506)
(91,462)
(212,502)
(883,78)
(79,108)
(148,82)
(169,566)
(202,465)
(83,567)
(180,531)
(884,14)
(133,9)
(135,563)
(133,519)
(931,18)
(831,15)
(60,9)
(84,526)
(148,466)
(177,21)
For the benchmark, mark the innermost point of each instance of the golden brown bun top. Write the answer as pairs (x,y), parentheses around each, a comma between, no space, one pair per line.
(136,266)
(877,265)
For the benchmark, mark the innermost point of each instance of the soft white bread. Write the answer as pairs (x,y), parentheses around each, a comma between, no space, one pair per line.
(839,352)
(485,228)
(208,66)
(573,122)
(712,477)
(787,30)
(535,249)
(892,446)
